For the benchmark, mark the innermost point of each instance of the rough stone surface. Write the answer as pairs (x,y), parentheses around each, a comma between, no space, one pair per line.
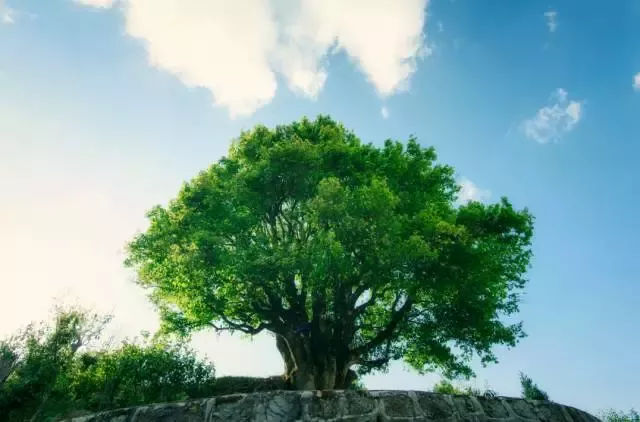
(347,406)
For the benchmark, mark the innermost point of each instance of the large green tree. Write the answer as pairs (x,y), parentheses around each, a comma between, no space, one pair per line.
(350,254)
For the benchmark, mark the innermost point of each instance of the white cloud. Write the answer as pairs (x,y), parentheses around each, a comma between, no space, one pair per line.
(551,17)
(218,45)
(235,50)
(636,81)
(96,3)
(560,95)
(470,192)
(384,111)
(383,37)
(7,15)
(560,116)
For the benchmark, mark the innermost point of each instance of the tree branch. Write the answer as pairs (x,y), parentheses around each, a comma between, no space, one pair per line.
(387,332)
(245,328)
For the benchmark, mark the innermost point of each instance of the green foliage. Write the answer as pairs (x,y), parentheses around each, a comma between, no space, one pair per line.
(446,387)
(54,371)
(612,415)
(304,224)
(8,359)
(530,390)
(136,374)
(232,385)
(37,386)
(357,385)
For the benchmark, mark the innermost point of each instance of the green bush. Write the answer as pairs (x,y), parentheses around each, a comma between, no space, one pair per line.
(530,390)
(446,387)
(137,374)
(619,416)
(231,385)
(8,359)
(37,387)
(49,371)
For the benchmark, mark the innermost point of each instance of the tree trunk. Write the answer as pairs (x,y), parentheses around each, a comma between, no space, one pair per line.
(307,368)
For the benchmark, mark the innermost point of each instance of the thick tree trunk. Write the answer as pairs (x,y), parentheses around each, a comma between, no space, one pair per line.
(307,368)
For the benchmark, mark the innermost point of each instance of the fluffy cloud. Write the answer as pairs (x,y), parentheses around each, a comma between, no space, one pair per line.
(223,46)
(470,192)
(560,116)
(235,50)
(636,82)
(384,37)
(384,112)
(551,17)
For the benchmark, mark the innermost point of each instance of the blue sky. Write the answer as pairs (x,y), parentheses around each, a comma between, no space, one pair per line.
(104,112)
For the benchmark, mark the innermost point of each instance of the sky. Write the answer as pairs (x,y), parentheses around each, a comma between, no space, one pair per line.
(107,107)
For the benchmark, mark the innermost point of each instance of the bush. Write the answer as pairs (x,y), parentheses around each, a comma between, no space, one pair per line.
(230,385)
(48,371)
(530,390)
(8,359)
(137,374)
(618,416)
(37,386)
(446,387)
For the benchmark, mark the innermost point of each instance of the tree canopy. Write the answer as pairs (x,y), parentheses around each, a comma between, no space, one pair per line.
(349,253)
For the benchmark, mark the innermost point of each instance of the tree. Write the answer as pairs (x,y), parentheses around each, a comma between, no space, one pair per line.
(41,359)
(530,390)
(57,369)
(350,254)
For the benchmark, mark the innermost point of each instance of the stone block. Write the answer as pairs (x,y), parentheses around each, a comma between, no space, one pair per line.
(493,408)
(435,406)
(398,405)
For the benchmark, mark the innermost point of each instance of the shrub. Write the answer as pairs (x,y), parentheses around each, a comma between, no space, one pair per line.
(37,386)
(135,374)
(619,416)
(530,390)
(48,371)
(446,387)
(230,385)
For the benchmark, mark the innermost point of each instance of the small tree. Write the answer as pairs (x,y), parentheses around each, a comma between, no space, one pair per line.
(350,254)
(42,358)
(530,390)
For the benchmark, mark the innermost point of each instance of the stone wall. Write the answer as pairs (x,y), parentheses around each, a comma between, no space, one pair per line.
(338,406)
